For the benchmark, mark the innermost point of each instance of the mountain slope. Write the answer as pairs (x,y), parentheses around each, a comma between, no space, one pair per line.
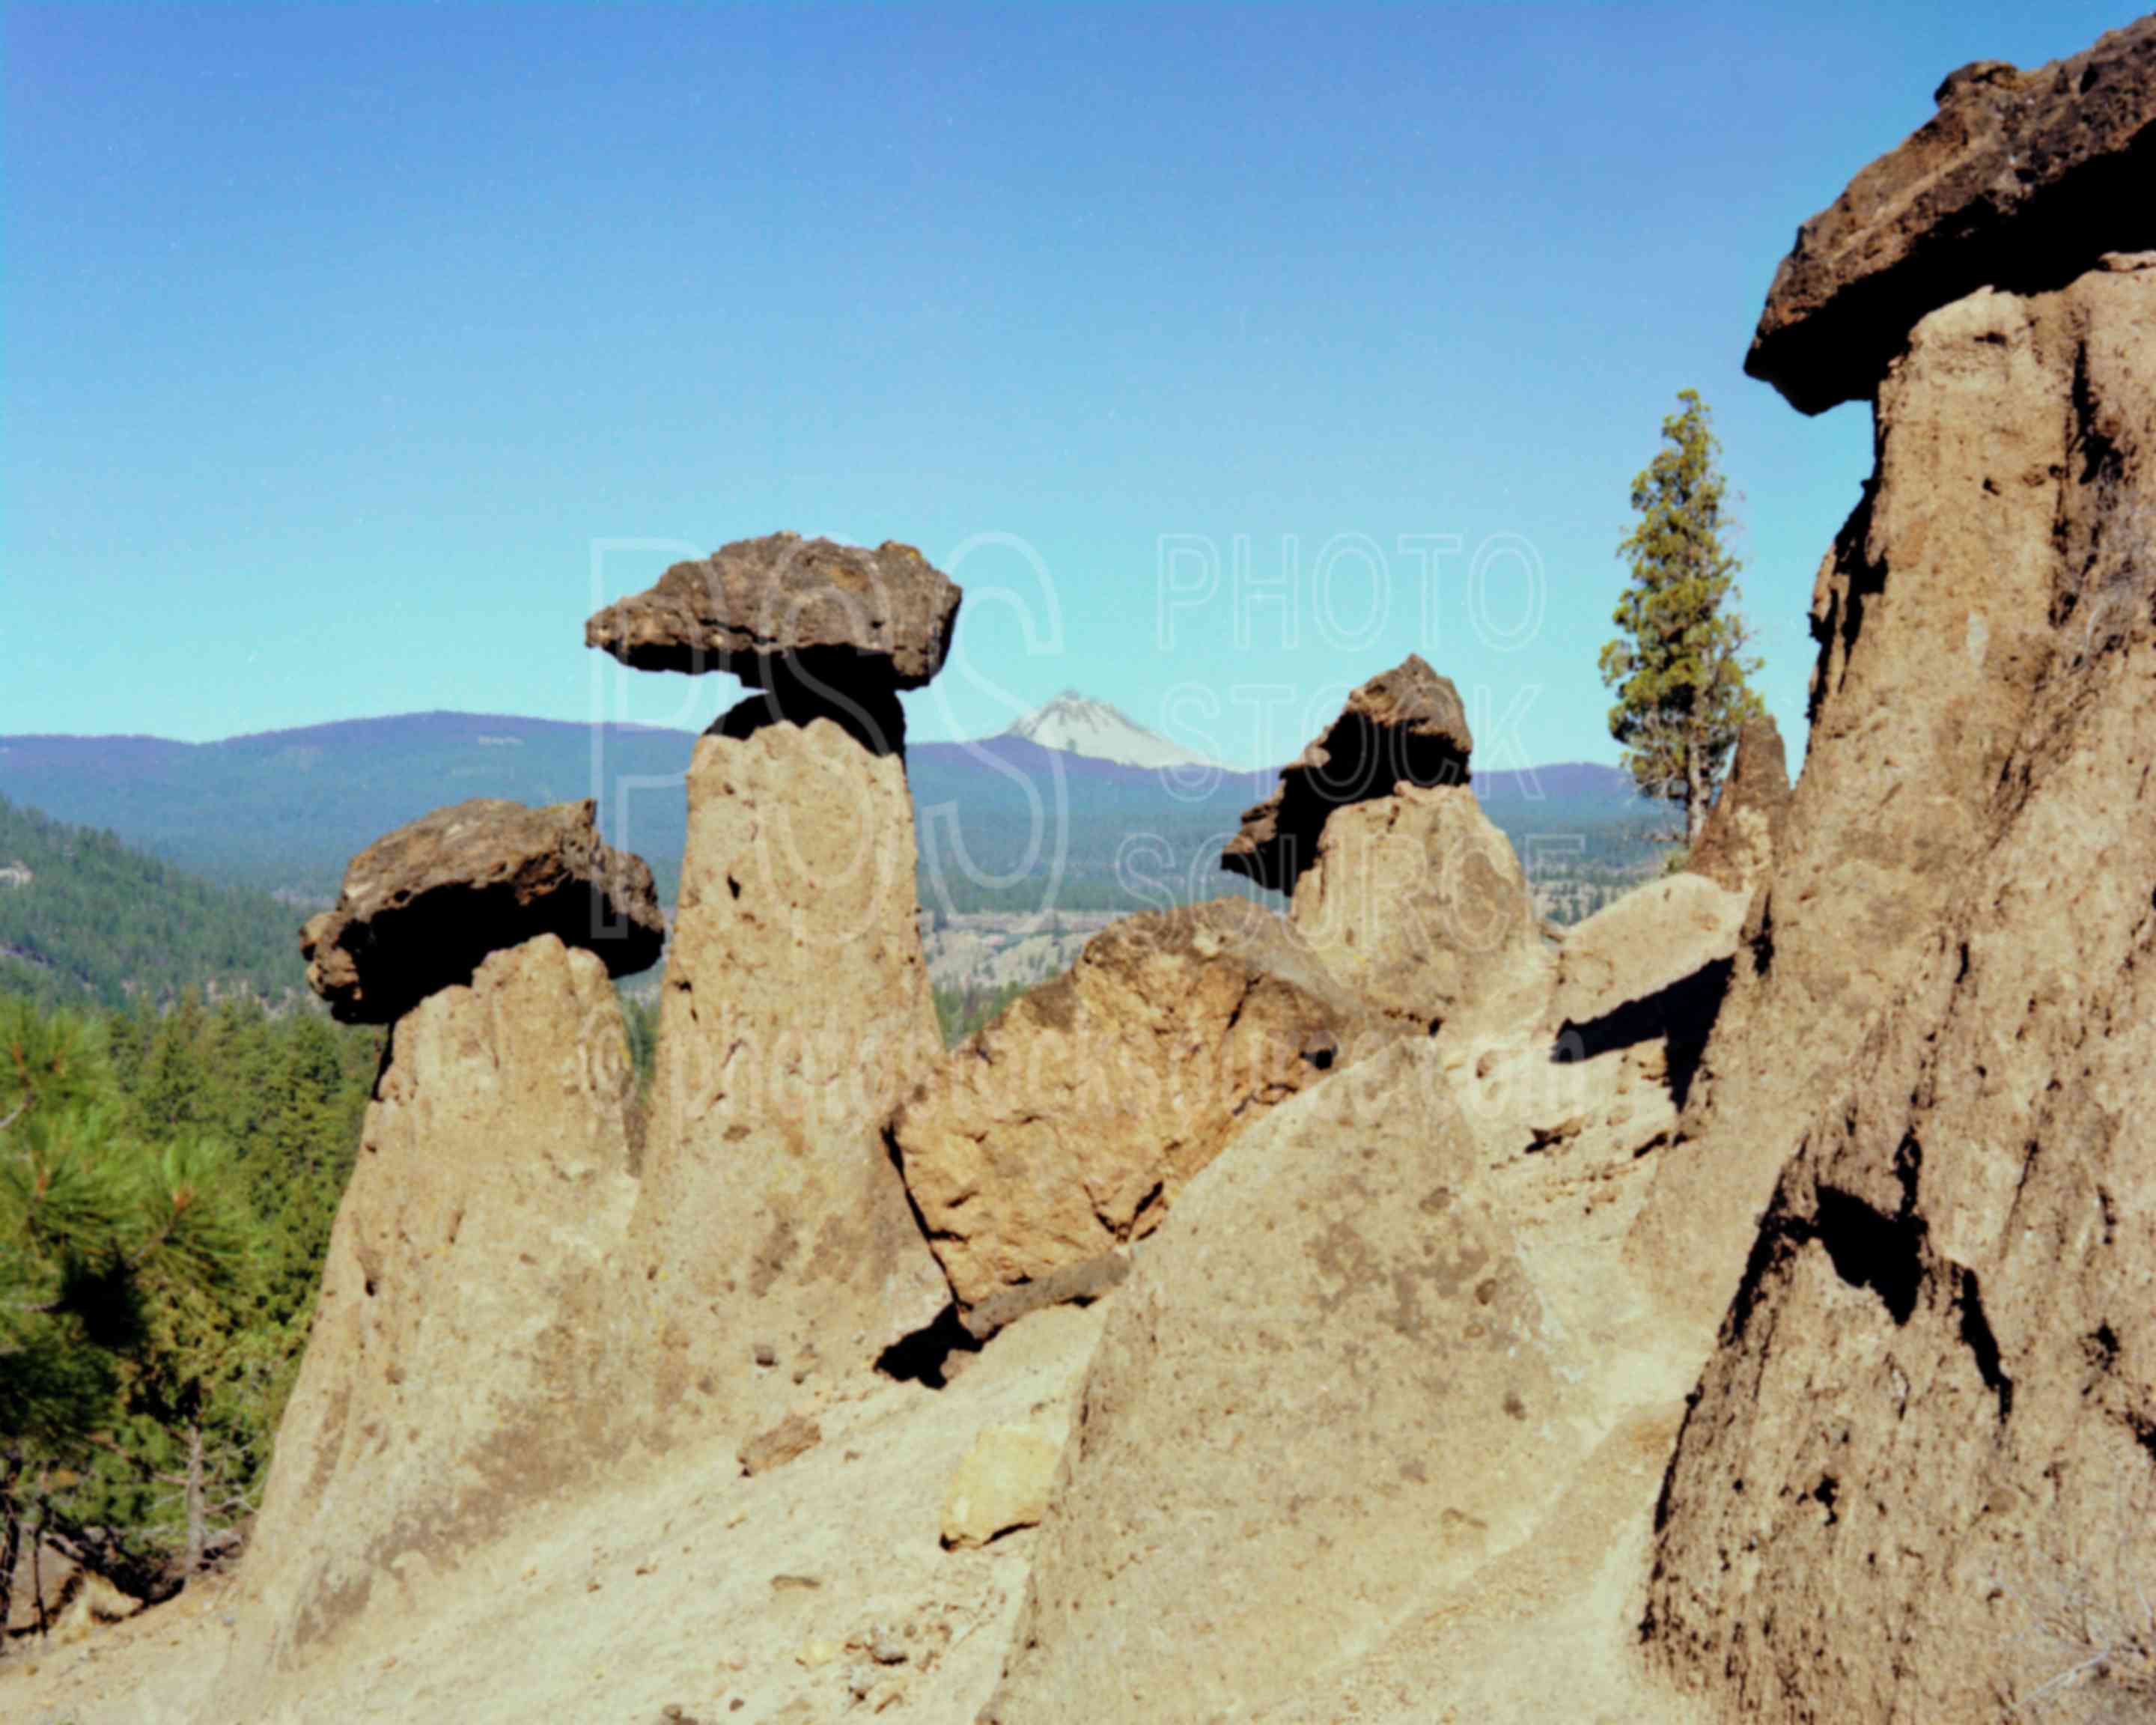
(85,920)
(1004,823)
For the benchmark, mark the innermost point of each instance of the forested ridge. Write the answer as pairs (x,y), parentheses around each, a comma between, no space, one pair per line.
(87,920)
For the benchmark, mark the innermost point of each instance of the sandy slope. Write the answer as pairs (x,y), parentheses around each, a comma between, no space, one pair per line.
(690,1588)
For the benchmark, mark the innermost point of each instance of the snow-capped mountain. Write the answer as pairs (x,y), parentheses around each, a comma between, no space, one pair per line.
(1078,725)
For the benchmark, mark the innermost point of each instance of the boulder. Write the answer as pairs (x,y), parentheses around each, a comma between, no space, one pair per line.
(795,1016)
(1640,952)
(838,616)
(468,1359)
(1736,847)
(1001,1484)
(423,907)
(1917,1480)
(1072,1126)
(1417,903)
(1405,727)
(1949,598)
(1328,1387)
(2021,180)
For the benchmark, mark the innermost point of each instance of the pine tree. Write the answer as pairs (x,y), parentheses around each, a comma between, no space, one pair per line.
(1678,666)
(119,1270)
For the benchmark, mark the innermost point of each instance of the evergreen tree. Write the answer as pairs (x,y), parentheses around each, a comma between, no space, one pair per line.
(1678,666)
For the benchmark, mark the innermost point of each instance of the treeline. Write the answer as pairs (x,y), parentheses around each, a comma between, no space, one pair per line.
(167,1182)
(86,921)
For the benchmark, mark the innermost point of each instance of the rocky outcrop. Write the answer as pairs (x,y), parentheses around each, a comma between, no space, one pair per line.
(1418,903)
(1651,967)
(468,1357)
(1913,1484)
(2020,182)
(1072,1126)
(1405,727)
(1948,600)
(1328,1386)
(421,907)
(1736,847)
(795,1012)
(838,616)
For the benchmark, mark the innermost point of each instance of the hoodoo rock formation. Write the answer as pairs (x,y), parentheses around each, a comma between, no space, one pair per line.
(421,907)
(1735,848)
(840,616)
(467,1359)
(1405,727)
(1072,1126)
(2020,182)
(795,1012)
(1402,886)
(1913,1485)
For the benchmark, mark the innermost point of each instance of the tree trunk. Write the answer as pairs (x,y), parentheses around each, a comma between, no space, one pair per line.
(1695,785)
(11,1543)
(198,1528)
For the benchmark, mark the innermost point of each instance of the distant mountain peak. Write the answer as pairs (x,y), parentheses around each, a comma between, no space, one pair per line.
(1076,723)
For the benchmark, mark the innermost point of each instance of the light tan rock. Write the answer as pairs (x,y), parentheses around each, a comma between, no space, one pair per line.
(1938,617)
(1418,903)
(1915,1483)
(466,1359)
(791,1438)
(796,1014)
(1735,848)
(1650,966)
(1001,1484)
(1328,1386)
(1071,1126)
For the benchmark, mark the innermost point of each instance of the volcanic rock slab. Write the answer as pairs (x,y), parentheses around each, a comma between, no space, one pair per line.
(423,907)
(1405,727)
(2021,180)
(840,618)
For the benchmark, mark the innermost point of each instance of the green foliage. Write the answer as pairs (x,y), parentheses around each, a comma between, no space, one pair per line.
(167,1182)
(96,923)
(1678,664)
(961,1011)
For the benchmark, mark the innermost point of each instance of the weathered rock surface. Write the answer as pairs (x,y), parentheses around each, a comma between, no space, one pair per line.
(2020,182)
(423,907)
(1418,903)
(1949,598)
(1328,1385)
(1655,962)
(1405,727)
(1002,1484)
(1735,848)
(839,616)
(1915,1483)
(795,1016)
(466,1359)
(1072,1126)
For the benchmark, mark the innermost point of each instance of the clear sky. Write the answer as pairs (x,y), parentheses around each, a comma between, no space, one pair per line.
(352,355)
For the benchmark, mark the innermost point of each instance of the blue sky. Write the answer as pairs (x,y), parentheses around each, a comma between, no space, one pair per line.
(352,355)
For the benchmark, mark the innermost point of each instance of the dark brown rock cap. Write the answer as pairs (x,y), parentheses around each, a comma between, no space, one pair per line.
(423,907)
(2021,180)
(1407,726)
(782,609)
